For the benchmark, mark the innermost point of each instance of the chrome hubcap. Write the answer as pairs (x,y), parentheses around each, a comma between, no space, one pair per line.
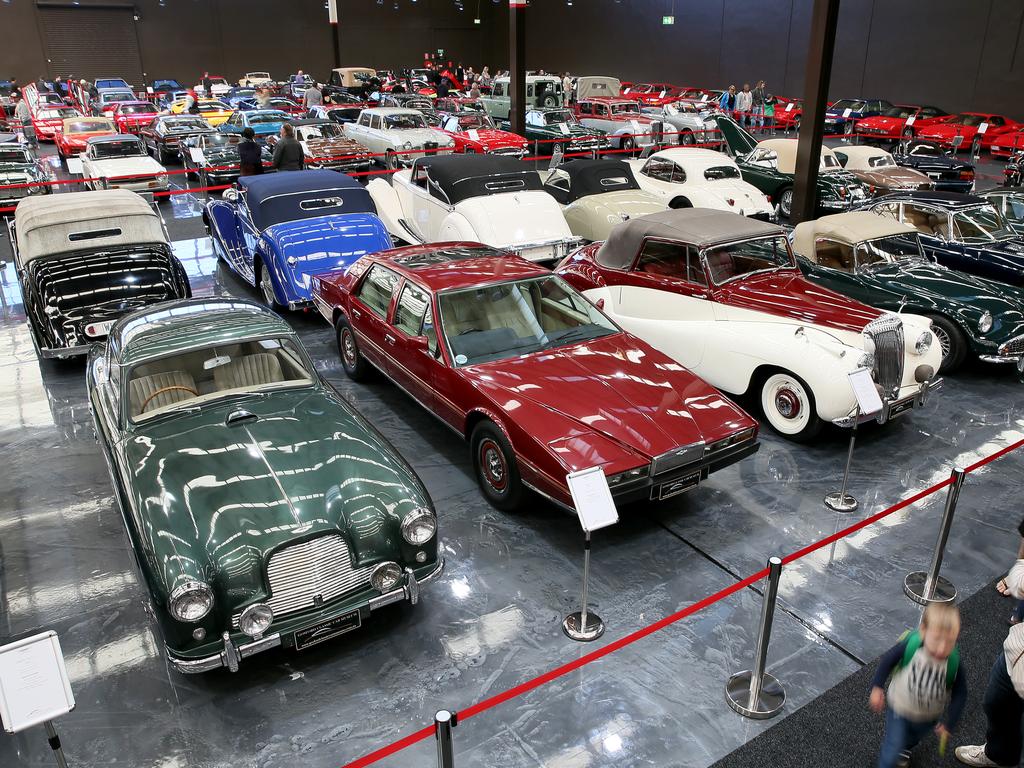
(787,403)
(492,462)
(268,289)
(348,349)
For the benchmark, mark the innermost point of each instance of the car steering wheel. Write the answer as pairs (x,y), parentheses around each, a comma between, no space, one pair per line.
(167,389)
(469,330)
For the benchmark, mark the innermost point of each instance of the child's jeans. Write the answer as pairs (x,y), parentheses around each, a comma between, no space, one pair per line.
(901,735)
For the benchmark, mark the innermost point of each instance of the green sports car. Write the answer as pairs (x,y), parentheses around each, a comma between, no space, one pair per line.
(558,130)
(879,261)
(262,509)
(770,165)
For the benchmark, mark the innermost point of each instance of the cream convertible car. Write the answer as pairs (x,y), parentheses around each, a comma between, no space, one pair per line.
(722,295)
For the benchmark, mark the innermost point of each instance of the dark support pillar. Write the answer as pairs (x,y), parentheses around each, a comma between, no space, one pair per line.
(517,65)
(333,13)
(812,125)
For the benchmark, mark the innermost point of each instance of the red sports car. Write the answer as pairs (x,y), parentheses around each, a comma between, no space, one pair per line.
(899,122)
(132,116)
(49,120)
(74,135)
(537,378)
(787,117)
(1008,144)
(475,132)
(656,94)
(969,126)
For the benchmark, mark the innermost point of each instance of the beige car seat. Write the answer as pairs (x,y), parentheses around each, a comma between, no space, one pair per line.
(142,389)
(248,371)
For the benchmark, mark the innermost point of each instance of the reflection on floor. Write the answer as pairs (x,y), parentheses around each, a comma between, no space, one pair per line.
(494,619)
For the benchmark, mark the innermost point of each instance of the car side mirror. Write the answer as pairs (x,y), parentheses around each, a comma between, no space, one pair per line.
(420,344)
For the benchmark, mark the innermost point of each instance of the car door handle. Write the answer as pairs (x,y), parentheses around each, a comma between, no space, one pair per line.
(389,338)
(356,313)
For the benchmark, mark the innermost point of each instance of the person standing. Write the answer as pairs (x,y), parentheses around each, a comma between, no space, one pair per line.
(769,112)
(758,99)
(1004,697)
(263,98)
(744,101)
(313,97)
(474,91)
(727,101)
(441,86)
(566,89)
(288,154)
(24,116)
(250,154)
(207,85)
(485,76)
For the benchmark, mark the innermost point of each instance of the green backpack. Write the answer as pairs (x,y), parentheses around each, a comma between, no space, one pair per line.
(914,643)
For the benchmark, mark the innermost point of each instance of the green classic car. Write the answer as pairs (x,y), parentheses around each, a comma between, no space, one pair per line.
(880,261)
(770,165)
(262,509)
(557,130)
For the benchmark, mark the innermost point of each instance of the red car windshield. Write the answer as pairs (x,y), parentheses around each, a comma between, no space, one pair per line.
(137,109)
(89,126)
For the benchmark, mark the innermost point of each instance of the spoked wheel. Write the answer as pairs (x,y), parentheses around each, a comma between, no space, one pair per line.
(786,202)
(788,406)
(391,160)
(686,138)
(267,287)
(628,145)
(495,465)
(951,342)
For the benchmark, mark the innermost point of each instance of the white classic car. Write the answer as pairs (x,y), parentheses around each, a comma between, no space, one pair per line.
(723,295)
(255,80)
(219,86)
(487,199)
(695,125)
(700,178)
(396,134)
(595,195)
(121,162)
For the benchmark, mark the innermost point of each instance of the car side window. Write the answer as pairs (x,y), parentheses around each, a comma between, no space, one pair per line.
(834,255)
(892,210)
(671,260)
(376,290)
(529,90)
(997,120)
(585,108)
(1014,208)
(412,304)
(926,220)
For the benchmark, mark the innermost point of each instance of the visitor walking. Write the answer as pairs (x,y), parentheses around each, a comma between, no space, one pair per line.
(250,154)
(1018,614)
(313,97)
(758,97)
(927,688)
(288,154)
(727,101)
(744,101)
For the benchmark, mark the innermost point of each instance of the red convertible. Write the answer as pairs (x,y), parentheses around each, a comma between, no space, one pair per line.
(968,125)
(538,379)
(475,133)
(895,124)
(133,116)
(655,94)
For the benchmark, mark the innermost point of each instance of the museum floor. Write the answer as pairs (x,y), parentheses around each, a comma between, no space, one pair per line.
(493,620)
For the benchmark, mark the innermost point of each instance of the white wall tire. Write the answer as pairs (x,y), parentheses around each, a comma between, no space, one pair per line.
(788,406)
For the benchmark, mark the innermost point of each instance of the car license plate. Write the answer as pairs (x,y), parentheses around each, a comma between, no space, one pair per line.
(95,330)
(321,633)
(667,490)
(900,407)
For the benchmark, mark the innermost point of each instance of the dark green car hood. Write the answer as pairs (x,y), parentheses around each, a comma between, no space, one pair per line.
(214,501)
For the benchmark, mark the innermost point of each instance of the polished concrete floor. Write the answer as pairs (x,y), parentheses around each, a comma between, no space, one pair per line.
(493,620)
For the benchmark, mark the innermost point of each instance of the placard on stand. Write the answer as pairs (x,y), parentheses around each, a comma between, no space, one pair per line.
(868,405)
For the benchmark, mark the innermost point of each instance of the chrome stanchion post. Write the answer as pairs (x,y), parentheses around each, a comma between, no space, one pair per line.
(841,501)
(54,739)
(584,625)
(930,587)
(756,694)
(444,721)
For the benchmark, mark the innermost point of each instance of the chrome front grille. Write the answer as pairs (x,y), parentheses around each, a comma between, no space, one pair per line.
(678,457)
(1014,346)
(887,334)
(311,574)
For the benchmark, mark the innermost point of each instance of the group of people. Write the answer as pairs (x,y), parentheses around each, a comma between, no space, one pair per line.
(754,109)
(921,686)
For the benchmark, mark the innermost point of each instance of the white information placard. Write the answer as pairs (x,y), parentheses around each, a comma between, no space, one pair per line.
(982,127)
(865,391)
(474,134)
(75,166)
(789,107)
(149,89)
(34,685)
(592,498)
(703,97)
(847,112)
(911,120)
(196,153)
(563,128)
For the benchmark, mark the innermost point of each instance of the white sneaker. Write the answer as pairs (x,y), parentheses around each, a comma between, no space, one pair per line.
(975,755)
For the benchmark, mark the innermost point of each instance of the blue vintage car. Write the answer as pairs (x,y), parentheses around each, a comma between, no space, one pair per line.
(277,230)
(264,122)
(963,232)
(839,115)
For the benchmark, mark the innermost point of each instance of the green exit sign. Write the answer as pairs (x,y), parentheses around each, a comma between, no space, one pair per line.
(476,21)
(667,20)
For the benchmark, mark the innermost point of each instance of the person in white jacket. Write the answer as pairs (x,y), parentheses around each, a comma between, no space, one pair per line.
(744,104)
(1004,706)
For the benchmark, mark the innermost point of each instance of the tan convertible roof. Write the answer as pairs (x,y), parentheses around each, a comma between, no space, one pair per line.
(854,227)
(66,222)
(701,227)
(786,151)
(858,155)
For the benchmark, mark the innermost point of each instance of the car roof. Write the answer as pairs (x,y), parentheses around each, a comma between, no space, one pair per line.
(392,111)
(274,198)
(694,156)
(453,265)
(945,199)
(851,227)
(700,227)
(180,326)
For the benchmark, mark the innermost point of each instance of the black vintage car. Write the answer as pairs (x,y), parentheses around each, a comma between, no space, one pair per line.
(213,157)
(84,259)
(949,173)
(165,135)
(963,232)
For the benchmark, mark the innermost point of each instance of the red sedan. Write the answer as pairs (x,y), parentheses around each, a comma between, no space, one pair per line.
(977,129)
(132,116)
(475,133)
(899,122)
(537,378)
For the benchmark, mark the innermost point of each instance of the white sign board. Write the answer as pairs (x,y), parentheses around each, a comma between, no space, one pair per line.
(982,127)
(592,498)
(34,685)
(847,112)
(563,129)
(75,166)
(474,134)
(865,391)
(789,107)
(149,89)
(196,153)
(911,120)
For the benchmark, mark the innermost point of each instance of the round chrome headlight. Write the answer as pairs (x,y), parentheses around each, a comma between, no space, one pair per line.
(407,145)
(386,576)
(255,619)
(985,323)
(419,526)
(191,601)
(924,342)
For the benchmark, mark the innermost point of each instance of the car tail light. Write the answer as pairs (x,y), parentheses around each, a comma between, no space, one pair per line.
(966,175)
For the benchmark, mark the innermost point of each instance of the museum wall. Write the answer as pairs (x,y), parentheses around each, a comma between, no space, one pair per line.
(946,52)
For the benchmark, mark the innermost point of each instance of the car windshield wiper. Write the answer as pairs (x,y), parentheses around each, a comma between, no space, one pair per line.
(579,333)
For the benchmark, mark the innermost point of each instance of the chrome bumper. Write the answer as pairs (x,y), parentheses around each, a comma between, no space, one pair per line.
(81,349)
(233,654)
(892,408)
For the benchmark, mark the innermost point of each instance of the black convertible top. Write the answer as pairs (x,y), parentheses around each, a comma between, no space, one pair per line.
(464,176)
(942,199)
(595,177)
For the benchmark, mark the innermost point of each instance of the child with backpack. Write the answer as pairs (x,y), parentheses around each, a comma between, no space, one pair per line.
(927,687)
